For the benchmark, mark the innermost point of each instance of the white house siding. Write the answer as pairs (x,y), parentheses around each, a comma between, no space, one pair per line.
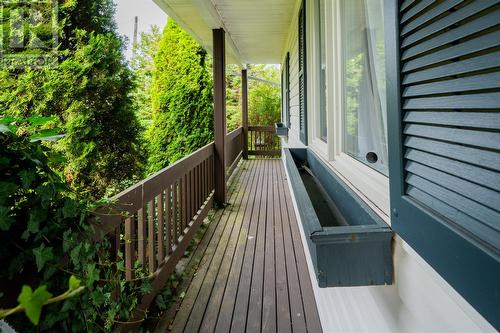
(419,300)
(292,47)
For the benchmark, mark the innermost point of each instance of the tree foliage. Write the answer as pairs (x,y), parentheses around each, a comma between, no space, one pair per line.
(89,90)
(264,106)
(182,108)
(143,66)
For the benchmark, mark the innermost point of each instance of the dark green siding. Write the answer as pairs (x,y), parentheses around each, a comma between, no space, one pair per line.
(444,134)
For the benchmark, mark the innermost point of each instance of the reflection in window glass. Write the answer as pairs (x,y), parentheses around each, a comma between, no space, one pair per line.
(364,111)
(321,125)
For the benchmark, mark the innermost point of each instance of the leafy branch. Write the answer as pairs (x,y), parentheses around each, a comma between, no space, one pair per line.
(31,302)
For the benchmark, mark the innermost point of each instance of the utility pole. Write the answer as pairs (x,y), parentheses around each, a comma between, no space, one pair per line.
(134,42)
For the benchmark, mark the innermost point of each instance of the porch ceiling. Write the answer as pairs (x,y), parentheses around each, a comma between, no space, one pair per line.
(256,30)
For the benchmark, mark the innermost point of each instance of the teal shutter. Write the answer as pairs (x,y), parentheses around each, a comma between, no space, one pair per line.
(444,140)
(302,75)
(287,90)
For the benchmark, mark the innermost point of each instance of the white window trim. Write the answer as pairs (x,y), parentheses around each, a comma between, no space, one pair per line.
(369,184)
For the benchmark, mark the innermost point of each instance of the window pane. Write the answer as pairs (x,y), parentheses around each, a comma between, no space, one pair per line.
(364,111)
(321,125)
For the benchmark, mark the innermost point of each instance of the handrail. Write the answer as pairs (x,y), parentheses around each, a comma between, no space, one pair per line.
(263,141)
(230,136)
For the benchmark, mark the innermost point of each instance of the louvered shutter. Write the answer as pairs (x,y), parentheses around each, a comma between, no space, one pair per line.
(302,75)
(444,137)
(287,89)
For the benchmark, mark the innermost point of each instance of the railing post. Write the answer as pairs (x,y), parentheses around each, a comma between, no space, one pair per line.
(219,68)
(244,111)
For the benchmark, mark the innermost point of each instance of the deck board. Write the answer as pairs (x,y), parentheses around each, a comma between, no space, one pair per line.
(252,275)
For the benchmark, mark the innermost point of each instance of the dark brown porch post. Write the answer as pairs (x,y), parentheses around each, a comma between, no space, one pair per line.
(219,65)
(244,111)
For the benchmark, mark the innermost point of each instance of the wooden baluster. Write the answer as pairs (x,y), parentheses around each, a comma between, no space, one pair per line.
(197,188)
(182,205)
(168,221)
(191,194)
(151,236)
(175,219)
(130,240)
(186,201)
(141,236)
(203,181)
(188,196)
(161,228)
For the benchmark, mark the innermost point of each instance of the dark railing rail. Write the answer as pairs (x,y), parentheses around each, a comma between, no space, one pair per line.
(234,149)
(263,141)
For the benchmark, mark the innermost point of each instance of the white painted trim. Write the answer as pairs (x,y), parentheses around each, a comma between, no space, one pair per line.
(213,19)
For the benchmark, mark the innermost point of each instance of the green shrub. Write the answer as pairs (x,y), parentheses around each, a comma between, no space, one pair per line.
(45,242)
(181,99)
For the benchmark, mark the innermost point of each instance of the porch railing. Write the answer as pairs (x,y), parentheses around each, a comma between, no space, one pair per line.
(234,149)
(154,221)
(263,141)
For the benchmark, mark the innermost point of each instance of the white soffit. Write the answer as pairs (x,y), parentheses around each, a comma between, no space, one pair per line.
(256,30)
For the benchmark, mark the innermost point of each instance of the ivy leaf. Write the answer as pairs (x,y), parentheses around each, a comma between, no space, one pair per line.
(33,301)
(6,189)
(5,219)
(70,209)
(42,255)
(27,177)
(74,283)
(37,215)
(92,274)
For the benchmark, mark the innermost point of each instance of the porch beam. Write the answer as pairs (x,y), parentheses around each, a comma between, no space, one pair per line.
(219,68)
(244,111)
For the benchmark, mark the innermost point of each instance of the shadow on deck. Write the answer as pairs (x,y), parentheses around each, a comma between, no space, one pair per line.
(252,274)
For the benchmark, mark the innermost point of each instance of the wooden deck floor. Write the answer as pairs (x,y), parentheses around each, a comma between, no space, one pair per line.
(251,273)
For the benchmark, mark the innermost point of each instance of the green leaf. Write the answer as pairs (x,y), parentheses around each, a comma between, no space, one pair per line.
(47,135)
(33,301)
(42,255)
(27,177)
(5,219)
(70,209)
(92,274)
(6,189)
(40,120)
(37,215)
(4,129)
(74,283)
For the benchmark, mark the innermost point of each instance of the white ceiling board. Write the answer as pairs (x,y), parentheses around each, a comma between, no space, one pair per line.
(256,30)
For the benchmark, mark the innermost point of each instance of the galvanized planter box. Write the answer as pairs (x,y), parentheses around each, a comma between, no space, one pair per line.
(352,245)
(281,129)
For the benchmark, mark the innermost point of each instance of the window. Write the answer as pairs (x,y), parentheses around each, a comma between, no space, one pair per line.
(363,65)
(350,117)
